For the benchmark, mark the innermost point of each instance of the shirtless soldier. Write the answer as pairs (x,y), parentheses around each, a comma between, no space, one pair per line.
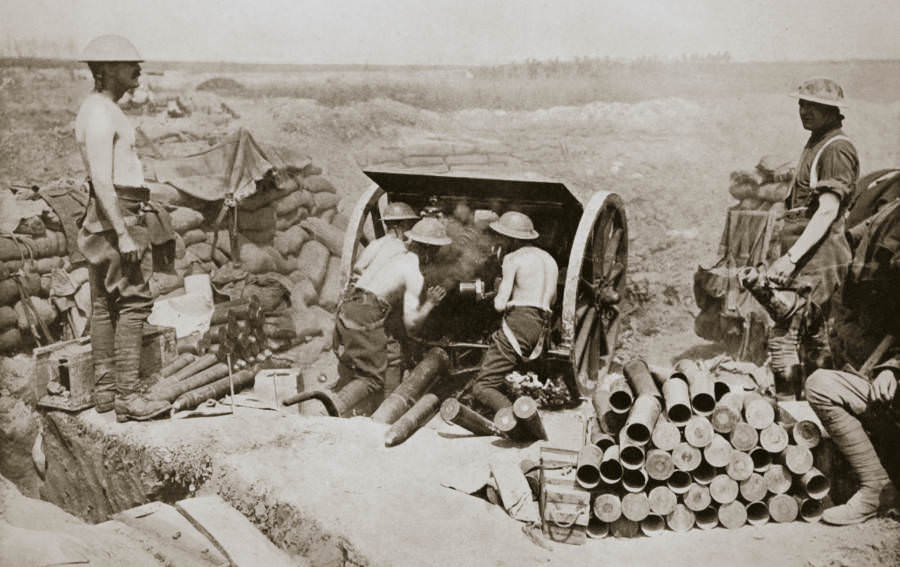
(398,217)
(117,231)
(392,276)
(526,291)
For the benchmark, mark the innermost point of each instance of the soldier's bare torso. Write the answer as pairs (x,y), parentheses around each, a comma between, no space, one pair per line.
(387,268)
(534,274)
(101,117)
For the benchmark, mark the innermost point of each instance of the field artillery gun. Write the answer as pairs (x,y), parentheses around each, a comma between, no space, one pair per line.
(589,241)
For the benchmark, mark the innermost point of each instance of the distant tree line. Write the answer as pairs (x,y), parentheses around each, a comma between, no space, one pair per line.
(593,66)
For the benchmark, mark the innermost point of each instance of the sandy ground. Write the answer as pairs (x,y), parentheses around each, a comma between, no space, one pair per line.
(329,489)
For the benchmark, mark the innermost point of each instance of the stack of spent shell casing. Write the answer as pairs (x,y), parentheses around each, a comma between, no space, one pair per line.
(676,450)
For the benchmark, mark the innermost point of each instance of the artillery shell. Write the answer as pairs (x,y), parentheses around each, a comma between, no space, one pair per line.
(662,500)
(678,401)
(417,416)
(455,413)
(732,515)
(607,507)
(638,374)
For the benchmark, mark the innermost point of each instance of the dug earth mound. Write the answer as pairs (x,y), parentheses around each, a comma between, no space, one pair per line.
(328,490)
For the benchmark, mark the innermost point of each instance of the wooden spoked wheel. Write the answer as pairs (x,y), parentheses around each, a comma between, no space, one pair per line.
(365,214)
(595,287)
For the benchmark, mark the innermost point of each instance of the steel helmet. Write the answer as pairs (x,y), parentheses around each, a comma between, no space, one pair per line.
(821,90)
(110,48)
(399,211)
(429,231)
(515,225)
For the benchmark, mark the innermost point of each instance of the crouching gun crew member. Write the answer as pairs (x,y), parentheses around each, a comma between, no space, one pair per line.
(123,235)
(391,277)
(858,405)
(526,291)
(398,218)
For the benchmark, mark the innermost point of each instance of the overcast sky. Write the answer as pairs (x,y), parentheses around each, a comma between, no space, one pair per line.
(457,31)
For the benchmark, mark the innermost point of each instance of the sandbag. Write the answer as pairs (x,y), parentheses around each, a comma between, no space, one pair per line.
(8,318)
(330,236)
(293,201)
(289,242)
(325,201)
(185,219)
(773,192)
(38,266)
(286,178)
(317,184)
(331,287)
(261,219)
(340,221)
(282,265)
(194,236)
(164,193)
(303,294)
(45,310)
(305,324)
(312,262)
(327,216)
(254,258)
(9,292)
(750,204)
(259,237)
(179,246)
(205,253)
(741,191)
(10,340)
(284,223)
(51,244)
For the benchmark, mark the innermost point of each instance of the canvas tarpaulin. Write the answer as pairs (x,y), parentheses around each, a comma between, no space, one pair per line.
(232,166)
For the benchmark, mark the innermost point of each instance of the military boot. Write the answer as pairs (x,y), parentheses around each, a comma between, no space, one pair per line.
(104,393)
(865,504)
(138,408)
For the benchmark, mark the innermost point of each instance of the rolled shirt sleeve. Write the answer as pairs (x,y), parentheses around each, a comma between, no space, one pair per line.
(838,170)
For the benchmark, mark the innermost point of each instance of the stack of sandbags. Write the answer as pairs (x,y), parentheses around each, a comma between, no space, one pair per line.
(763,188)
(32,255)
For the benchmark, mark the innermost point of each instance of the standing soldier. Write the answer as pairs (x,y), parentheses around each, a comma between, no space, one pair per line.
(526,291)
(117,231)
(817,250)
(390,279)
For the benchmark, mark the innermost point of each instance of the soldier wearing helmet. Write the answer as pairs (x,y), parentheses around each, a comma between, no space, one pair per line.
(816,252)
(117,230)
(398,217)
(391,278)
(526,291)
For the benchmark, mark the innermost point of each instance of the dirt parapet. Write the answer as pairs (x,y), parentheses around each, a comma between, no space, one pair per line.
(93,475)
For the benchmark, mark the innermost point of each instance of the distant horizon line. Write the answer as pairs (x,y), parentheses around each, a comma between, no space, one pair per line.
(64,61)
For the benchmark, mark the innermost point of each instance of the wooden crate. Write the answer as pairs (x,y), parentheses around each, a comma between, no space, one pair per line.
(159,349)
(565,507)
(71,364)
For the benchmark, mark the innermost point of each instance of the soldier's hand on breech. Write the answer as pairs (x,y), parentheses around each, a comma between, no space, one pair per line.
(883,387)
(781,271)
(128,248)
(436,294)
